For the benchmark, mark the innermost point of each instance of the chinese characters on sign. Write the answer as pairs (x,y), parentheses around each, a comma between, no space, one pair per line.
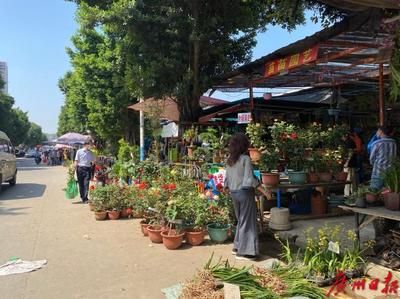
(244,118)
(390,285)
(279,65)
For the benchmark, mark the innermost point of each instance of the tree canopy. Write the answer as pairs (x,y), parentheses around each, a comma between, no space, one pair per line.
(15,123)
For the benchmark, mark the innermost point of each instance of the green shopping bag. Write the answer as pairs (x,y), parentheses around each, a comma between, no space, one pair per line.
(72,189)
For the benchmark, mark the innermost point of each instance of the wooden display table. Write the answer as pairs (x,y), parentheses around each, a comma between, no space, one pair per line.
(369,215)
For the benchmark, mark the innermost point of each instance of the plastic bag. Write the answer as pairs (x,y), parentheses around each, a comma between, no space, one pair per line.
(72,189)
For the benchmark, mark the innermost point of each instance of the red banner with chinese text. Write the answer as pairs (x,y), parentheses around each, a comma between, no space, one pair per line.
(280,65)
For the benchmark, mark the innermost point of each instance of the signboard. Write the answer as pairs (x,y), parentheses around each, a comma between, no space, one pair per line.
(284,64)
(244,118)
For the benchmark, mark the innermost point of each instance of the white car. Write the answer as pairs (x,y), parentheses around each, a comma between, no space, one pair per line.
(8,162)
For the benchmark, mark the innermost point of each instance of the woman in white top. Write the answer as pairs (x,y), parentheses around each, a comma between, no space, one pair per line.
(241,184)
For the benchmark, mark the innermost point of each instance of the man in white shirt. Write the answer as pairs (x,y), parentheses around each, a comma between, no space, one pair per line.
(83,165)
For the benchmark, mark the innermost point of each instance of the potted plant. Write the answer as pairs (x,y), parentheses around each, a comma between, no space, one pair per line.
(268,162)
(338,157)
(99,200)
(391,179)
(255,132)
(372,196)
(219,218)
(126,202)
(357,198)
(312,164)
(115,202)
(189,135)
(296,172)
(323,169)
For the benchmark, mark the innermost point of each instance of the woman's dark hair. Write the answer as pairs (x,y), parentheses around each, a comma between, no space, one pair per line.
(238,145)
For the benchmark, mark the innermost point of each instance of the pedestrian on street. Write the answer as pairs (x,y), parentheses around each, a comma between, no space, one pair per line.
(241,183)
(83,164)
(383,151)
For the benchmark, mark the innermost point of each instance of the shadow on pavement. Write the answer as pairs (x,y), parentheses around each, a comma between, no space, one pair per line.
(12,211)
(21,191)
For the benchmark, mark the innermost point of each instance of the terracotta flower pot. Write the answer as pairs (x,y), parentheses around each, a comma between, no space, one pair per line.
(114,215)
(101,215)
(325,177)
(143,227)
(255,154)
(341,176)
(270,179)
(318,204)
(195,237)
(171,239)
(312,178)
(371,197)
(154,232)
(125,213)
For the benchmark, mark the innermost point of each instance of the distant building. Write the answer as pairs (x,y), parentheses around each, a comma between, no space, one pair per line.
(4,76)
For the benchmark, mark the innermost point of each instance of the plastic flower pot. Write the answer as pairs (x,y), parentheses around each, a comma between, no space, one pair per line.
(154,232)
(114,215)
(171,239)
(270,179)
(143,227)
(125,213)
(255,154)
(297,177)
(218,232)
(195,237)
(100,215)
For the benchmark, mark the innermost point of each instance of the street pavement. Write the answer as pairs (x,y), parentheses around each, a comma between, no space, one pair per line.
(86,258)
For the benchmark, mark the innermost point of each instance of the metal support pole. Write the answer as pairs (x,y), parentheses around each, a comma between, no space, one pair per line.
(251,98)
(381,97)
(141,131)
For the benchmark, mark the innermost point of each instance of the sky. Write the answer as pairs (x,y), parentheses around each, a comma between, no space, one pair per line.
(33,39)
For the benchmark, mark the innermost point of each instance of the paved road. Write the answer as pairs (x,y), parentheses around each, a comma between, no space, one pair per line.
(86,259)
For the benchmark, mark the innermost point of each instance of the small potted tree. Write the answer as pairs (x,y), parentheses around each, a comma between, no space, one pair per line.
(115,202)
(268,162)
(99,200)
(296,172)
(324,173)
(219,218)
(255,132)
(189,135)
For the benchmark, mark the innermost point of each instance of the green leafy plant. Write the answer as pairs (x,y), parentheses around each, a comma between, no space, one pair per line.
(269,160)
(255,132)
(190,134)
(391,177)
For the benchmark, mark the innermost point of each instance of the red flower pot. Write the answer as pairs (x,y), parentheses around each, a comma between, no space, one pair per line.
(325,177)
(270,179)
(171,239)
(154,232)
(125,213)
(101,215)
(143,227)
(312,178)
(195,237)
(114,215)
(255,154)
(341,176)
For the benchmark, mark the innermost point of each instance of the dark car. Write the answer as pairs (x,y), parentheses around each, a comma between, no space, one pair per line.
(19,153)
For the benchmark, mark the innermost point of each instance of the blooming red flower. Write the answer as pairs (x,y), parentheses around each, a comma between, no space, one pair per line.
(92,187)
(172,186)
(293,136)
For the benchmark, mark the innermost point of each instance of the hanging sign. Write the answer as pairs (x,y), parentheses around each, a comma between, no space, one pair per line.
(244,118)
(284,64)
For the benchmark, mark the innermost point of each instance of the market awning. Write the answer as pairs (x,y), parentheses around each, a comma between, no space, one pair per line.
(360,5)
(72,137)
(349,52)
(168,108)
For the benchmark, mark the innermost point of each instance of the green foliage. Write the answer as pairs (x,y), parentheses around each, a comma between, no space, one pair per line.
(391,177)
(108,197)
(127,152)
(269,160)
(255,132)
(35,135)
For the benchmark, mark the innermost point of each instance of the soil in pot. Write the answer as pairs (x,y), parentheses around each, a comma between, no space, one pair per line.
(255,154)
(312,178)
(341,176)
(217,232)
(154,232)
(100,215)
(143,227)
(114,215)
(126,213)
(195,237)
(171,239)
(270,179)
